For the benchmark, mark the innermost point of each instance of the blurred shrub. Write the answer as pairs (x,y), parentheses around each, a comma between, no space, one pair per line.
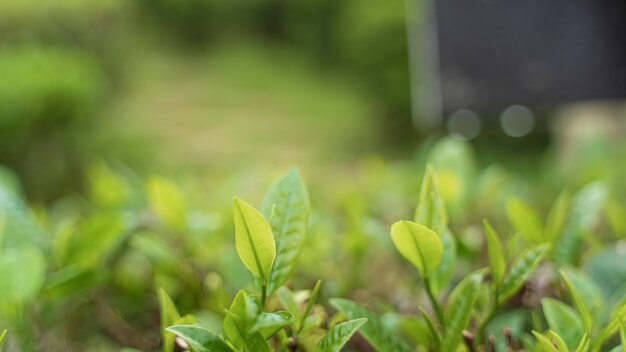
(45,95)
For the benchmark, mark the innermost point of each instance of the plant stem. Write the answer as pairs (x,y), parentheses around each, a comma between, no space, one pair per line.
(433,301)
(263,294)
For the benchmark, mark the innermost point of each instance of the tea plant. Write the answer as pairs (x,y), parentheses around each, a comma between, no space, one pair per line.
(269,250)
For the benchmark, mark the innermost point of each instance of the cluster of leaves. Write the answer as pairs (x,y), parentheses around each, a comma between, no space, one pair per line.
(268,245)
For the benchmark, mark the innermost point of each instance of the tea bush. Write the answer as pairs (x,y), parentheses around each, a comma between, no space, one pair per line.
(117,266)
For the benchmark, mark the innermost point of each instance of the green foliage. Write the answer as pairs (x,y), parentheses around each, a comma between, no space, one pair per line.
(519,272)
(459,309)
(339,335)
(563,321)
(199,339)
(418,244)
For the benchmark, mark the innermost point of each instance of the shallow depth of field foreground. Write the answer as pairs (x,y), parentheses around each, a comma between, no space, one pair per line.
(312,176)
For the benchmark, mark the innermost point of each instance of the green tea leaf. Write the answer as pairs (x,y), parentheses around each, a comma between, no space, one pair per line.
(430,210)
(240,317)
(288,300)
(618,318)
(22,274)
(431,327)
(497,263)
(21,228)
(375,332)
(585,211)
(169,315)
(168,202)
(310,304)
(561,346)
(338,336)
(2,337)
(525,221)
(519,272)
(556,217)
(418,244)
(268,324)
(289,201)
(253,239)
(545,343)
(563,320)
(440,276)
(622,335)
(584,344)
(459,310)
(199,338)
(578,301)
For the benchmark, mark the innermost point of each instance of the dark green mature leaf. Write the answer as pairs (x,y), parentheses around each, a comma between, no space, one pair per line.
(430,210)
(525,221)
(338,336)
(253,239)
(199,338)
(563,320)
(497,262)
(418,244)
(287,206)
(22,274)
(440,277)
(268,324)
(586,208)
(375,332)
(459,310)
(520,271)
(169,314)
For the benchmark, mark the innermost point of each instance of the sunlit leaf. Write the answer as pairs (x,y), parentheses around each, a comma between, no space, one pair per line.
(561,346)
(2,337)
(268,324)
(338,336)
(459,310)
(545,343)
(584,344)
(525,221)
(199,338)
(288,204)
(417,244)
(288,300)
(239,319)
(563,320)
(253,239)
(377,334)
(520,271)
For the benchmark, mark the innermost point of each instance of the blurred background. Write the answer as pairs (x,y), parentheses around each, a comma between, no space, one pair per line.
(219,98)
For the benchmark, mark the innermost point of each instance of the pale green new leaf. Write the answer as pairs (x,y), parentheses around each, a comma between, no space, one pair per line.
(622,335)
(525,221)
(288,300)
(310,304)
(2,337)
(561,346)
(338,336)
(430,210)
(497,262)
(440,276)
(556,217)
(253,239)
(417,244)
(520,271)
(584,344)
(199,338)
(287,206)
(169,314)
(22,274)
(545,343)
(168,202)
(578,301)
(459,310)
(242,313)
(375,332)
(563,320)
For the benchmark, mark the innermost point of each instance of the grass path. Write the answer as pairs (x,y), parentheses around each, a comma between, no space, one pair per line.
(240,104)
